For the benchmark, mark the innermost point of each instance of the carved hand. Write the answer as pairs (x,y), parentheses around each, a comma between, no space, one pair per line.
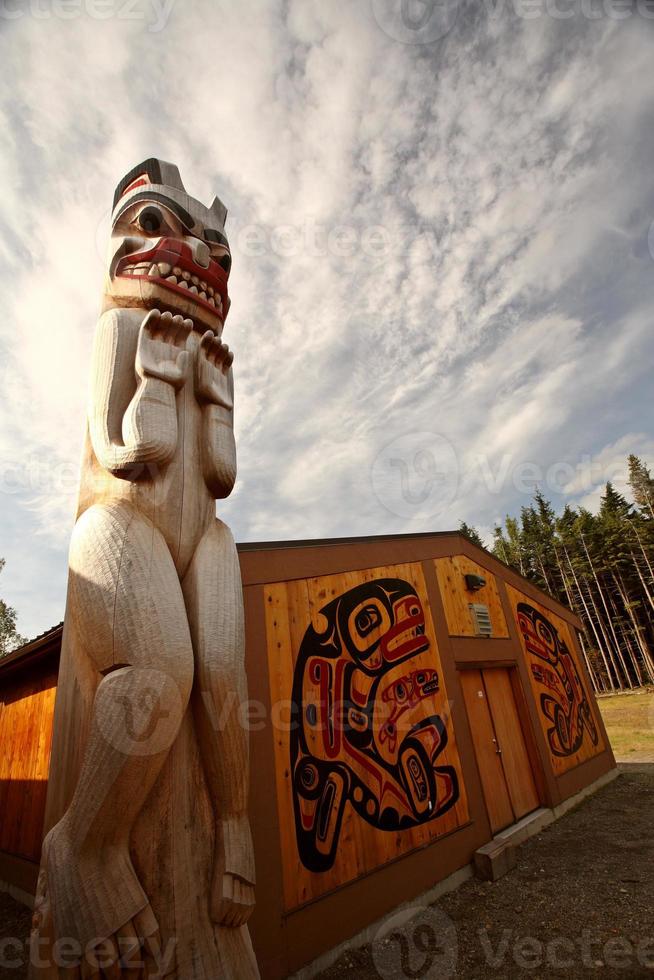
(161,351)
(213,372)
(233,884)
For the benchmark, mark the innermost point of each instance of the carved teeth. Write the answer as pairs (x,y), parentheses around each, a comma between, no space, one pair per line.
(177,277)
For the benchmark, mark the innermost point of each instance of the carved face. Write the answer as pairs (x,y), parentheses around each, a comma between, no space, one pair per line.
(167,250)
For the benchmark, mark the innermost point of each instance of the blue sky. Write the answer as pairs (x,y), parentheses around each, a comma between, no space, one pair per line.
(443,281)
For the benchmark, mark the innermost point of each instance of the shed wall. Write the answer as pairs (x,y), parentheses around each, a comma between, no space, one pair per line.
(317,888)
(304,909)
(27,699)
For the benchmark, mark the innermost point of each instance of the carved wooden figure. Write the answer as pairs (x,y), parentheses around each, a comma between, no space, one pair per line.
(147,868)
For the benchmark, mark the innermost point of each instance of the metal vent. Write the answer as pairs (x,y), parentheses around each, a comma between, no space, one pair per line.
(481,619)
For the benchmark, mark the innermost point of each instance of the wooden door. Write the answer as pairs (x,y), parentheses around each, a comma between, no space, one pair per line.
(504,765)
(508,732)
(496,793)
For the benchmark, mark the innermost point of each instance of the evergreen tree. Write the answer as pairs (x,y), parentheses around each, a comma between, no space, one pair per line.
(471,534)
(10,638)
(602,566)
(500,545)
(516,547)
(642,485)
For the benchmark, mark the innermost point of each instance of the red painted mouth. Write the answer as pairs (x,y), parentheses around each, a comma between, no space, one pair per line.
(170,264)
(407,636)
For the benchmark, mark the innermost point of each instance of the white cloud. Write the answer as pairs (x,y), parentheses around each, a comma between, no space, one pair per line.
(506,313)
(608,466)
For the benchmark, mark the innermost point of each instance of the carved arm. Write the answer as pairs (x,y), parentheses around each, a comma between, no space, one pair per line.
(214,386)
(138,364)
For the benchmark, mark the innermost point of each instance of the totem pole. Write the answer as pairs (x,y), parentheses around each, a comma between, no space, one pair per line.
(147,865)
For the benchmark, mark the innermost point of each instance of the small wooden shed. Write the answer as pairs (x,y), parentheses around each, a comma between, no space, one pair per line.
(410,698)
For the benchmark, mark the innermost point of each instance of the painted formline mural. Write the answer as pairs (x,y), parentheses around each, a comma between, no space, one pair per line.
(370,733)
(567,718)
(370,768)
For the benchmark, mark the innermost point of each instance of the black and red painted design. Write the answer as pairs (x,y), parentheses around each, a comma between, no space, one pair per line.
(169,251)
(368,729)
(564,702)
(177,253)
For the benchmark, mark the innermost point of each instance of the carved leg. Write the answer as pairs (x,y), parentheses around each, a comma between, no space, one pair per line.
(212,591)
(126,606)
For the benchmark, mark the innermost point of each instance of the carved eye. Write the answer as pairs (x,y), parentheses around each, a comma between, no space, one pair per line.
(151,220)
(366,623)
(400,692)
(367,619)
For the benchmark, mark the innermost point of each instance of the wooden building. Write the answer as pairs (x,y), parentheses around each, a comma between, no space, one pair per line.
(28,685)
(410,698)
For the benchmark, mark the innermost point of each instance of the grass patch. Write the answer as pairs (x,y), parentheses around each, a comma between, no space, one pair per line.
(629,720)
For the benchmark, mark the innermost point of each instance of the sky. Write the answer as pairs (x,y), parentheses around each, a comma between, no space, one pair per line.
(441,222)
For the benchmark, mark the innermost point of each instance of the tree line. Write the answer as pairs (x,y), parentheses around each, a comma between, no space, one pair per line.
(601,566)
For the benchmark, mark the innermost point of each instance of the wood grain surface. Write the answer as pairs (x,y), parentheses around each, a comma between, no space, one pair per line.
(292,609)
(456,598)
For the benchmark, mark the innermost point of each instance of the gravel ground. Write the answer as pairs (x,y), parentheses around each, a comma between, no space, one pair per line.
(15,923)
(580,903)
